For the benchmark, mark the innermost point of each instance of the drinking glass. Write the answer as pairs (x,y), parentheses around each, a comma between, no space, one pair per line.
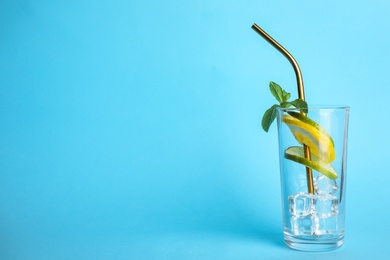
(314,221)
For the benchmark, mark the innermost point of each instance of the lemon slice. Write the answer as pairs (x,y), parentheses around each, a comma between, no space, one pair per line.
(307,132)
(296,154)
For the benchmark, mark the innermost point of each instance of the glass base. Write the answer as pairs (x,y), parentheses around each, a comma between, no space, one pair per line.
(313,243)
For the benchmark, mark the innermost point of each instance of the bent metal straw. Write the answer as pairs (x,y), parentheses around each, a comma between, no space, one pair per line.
(301,92)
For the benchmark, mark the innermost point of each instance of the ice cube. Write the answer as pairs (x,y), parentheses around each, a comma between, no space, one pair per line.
(301,204)
(325,226)
(324,185)
(303,225)
(325,206)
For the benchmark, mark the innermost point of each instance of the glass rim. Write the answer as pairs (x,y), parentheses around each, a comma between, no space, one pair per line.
(316,107)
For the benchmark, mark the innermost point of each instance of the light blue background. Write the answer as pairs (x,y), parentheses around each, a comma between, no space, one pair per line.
(131,129)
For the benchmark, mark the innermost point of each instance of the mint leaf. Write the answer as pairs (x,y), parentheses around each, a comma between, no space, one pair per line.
(269,117)
(286,104)
(282,97)
(276,91)
(300,104)
(286,96)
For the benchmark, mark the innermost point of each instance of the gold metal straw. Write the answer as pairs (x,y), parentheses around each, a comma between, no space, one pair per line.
(301,92)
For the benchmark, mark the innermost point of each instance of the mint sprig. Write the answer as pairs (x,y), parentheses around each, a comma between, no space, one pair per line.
(282,97)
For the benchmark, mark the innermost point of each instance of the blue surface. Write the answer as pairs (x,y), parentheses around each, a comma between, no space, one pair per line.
(131,129)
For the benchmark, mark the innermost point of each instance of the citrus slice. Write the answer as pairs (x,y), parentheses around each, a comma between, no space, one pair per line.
(296,154)
(307,132)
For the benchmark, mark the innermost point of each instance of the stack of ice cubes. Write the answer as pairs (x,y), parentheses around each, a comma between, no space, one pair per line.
(315,214)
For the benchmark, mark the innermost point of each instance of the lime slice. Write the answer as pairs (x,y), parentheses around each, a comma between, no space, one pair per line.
(296,154)
(307,132)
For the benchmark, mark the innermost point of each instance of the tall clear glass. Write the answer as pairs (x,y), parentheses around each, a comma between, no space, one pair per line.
(313,218)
